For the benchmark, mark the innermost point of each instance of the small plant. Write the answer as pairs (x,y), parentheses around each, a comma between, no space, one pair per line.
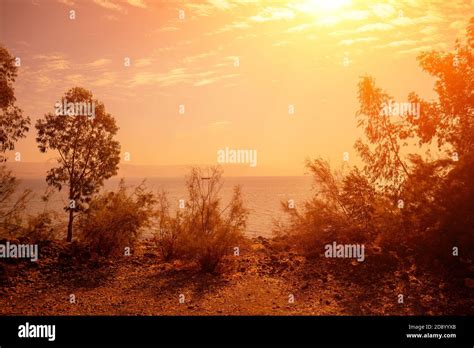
(211,231)
(169,230)
(42,227)
(114,220)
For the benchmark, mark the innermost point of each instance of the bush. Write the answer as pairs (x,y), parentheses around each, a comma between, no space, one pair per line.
(114,220)
(12,206)
(169,230)
(41,227)
(207,232)
(343,209)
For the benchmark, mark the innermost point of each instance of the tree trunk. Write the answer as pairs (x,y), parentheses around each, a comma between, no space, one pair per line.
(69,225)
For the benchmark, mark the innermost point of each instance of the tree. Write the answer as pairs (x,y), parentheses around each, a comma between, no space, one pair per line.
(449,120)
(13,125)
(10,207)
(385,138)
(88,152)
(414,204)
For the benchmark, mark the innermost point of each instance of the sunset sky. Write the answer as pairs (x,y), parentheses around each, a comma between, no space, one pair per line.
(305,53)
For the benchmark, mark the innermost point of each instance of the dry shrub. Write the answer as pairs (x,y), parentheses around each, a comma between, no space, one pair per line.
(43,227)
(342,210)
(168,232)
(114,220)
(203,231)
(12,204)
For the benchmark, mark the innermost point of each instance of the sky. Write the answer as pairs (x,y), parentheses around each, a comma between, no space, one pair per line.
(237,66)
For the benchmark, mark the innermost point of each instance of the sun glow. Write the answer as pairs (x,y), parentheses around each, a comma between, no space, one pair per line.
(312,6)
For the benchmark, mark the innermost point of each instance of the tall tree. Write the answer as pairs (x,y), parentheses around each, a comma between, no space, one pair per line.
(13,125)
(385,136)
(88,152)
(449,120)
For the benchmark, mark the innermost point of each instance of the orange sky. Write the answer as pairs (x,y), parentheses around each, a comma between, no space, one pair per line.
(289,52)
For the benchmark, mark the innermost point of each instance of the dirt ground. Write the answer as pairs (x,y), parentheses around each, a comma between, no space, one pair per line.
(260,281)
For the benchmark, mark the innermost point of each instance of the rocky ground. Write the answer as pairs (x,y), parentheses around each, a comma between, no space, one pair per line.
(263,280)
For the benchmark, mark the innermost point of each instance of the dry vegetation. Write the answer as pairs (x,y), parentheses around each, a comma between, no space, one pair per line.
(422,248)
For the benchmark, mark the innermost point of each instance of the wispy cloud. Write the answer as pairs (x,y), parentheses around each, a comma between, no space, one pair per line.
(100,62)
(273,14)
(349,42)
(108,4)
(137,3)
(375,27)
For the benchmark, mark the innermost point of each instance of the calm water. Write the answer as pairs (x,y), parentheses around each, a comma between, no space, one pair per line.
(262,196)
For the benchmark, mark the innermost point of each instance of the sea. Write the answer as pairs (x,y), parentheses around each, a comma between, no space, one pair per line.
(262,196)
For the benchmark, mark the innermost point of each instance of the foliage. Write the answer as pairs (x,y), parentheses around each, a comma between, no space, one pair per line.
(169,231)
(114,220)
(88,153)
(436,193)
(11,206)
(13,125)
(202,231)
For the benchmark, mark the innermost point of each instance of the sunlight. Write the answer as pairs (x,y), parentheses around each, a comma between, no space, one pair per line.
(312,6)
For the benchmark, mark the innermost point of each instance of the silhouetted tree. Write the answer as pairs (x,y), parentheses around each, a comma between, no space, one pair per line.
(88,152)
(13,125)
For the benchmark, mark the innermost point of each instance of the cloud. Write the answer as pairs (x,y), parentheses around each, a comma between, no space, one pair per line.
(429,30)
(109,5)
(172,77)
(99,62)
(401,43)
(232,26)
(426,48)
(299,28)
(383,10)
(209,81)
(375,27)
(200,56)
(53,61)
(358,40)
(143,62)
(403,21)
(356,15)
(107,78)
(221,4)
(273,14)
(167,29)
(67,2)
(137,3)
